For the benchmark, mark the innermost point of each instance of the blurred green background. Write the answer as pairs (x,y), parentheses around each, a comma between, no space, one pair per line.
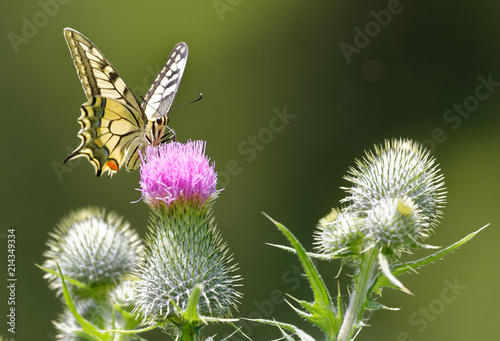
(251,59)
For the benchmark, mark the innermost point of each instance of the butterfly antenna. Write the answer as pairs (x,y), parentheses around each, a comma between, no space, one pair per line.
(183,105)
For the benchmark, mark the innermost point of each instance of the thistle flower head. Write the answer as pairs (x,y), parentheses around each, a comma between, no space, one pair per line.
(393,203)
(400,168)
(177,172)
(92,247)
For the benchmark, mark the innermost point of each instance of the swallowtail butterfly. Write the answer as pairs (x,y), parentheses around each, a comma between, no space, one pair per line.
(115,126)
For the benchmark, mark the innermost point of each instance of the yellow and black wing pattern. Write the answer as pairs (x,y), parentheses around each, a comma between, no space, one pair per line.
(114,126)
(161,94)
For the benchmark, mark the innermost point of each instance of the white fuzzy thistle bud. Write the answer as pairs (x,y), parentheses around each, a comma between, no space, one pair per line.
(396,224)
(338,233)
(94,248)
(184,250)
(400,168)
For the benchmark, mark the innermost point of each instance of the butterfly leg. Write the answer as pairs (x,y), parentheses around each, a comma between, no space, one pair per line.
(169,135)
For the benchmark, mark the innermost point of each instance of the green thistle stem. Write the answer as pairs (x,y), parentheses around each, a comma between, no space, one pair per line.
(188,332)
(358,297)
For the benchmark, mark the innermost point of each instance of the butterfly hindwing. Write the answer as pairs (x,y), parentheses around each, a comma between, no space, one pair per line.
(161,94)
(111,135)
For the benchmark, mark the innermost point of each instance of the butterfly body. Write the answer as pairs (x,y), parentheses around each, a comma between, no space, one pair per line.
(114,126)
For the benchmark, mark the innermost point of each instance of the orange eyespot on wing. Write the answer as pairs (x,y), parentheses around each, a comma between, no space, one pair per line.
(112,165)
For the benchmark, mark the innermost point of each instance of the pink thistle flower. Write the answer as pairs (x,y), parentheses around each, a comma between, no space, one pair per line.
(177,172)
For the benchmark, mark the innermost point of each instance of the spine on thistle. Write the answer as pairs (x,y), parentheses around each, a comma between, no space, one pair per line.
(184,247)
(393,203)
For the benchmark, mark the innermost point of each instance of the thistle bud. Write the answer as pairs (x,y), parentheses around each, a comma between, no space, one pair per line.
(339,233)
(400,168)
(94,248)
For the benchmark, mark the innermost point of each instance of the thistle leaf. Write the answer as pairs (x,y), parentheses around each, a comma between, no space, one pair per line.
(382,280)
(290,327)
(67,279)
(87,327)
(322,312)
(320,256)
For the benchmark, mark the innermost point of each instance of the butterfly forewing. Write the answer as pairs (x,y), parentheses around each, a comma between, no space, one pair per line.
(97,74)
(161,94)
